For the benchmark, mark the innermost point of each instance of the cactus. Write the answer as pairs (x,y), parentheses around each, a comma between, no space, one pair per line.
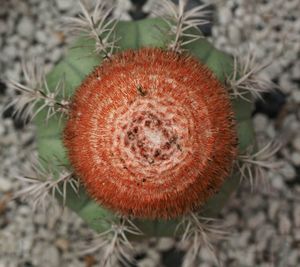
(151,120)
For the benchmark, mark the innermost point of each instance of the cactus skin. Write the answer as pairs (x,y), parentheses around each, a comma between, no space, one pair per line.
(77,65)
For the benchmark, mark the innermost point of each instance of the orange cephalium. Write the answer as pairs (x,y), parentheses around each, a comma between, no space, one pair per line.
(151,133)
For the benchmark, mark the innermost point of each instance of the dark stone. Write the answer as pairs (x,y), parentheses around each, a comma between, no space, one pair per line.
(140,256)
(3,87)
(137,258)
(27,264)
(137,14)
(270,104)
(18,122)
(172,257)
(138,2)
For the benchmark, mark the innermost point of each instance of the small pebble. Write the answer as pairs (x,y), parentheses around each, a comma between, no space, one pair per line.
(288,171)
(147,263)
(296,143)
(154,255)
(206,255)
(296,96)
(293,258)
(231,219)
(64,5)
(25,27)
(296,158)
(260,122)
(273,209)
(41,36)
(5,184)
(234,34)
(296,234)
(296,215)
(225,16)
(2,129)
(285,83)
(296,70)
(256,220)
(271,132)
(10,51)
(284,224)
(62,244)
(277,182)
(242,239)
(165,244)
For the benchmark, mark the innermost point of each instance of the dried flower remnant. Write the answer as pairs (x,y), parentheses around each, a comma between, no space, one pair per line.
(151,133)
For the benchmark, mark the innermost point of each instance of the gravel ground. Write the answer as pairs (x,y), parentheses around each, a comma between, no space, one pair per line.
(264,225)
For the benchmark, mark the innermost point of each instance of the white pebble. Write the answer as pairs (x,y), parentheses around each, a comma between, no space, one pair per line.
(260,122)
(296,70)
(2,128)
(77,263)
(51,256)
(64,4)
(293,258)
(231,219)
(257,220)
(147,263)
(284,224)
(242,240)
(296,96)
(165,244)
(277,182)
(26,243)
(206,254)
(10,51)
(288,171)
(25,28)
(225,16)
(234,34)
(54,40)
(56,55)
(2,28)
(285,83)
(296,142)
(24,210)
(296,216)
(273,209)
(153,255)
(5,184)
(296,158)
(296,234)
(41,36)
(271,132)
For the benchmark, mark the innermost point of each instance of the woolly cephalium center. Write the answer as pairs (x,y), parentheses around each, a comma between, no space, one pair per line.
(151,134)
(150,137)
